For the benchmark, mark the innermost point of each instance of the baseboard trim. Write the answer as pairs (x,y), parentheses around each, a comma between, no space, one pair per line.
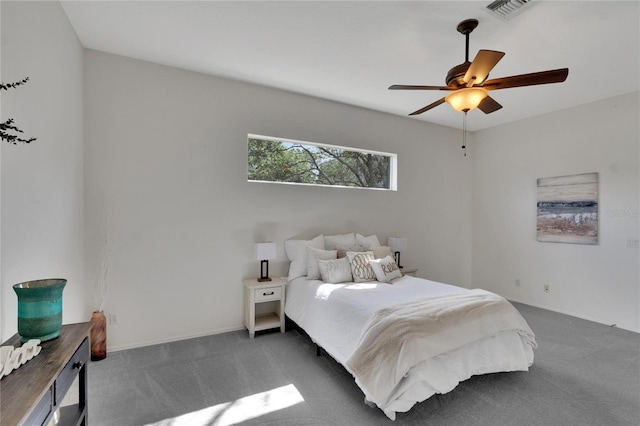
(226,330)
(572,314)
(117,348)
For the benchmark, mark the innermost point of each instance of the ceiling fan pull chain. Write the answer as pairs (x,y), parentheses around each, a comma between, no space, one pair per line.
(464,133)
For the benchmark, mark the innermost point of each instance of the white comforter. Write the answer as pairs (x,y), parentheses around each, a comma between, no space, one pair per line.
(346,320)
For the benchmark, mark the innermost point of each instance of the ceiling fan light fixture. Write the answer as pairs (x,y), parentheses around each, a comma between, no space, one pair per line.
(466,99)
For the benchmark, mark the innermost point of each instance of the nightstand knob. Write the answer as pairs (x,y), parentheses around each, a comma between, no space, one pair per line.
(271,293)
(78,365)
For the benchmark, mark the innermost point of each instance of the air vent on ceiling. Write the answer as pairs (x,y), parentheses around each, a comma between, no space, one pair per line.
(507,9)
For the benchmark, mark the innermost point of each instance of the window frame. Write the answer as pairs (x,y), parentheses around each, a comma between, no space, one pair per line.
(393,163)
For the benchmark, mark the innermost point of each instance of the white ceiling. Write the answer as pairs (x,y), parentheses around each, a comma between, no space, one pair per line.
(353,51)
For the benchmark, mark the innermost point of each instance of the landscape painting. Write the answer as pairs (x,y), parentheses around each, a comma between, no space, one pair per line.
(568,209)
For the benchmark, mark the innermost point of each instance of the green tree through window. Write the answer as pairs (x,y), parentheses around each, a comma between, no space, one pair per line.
(275,160)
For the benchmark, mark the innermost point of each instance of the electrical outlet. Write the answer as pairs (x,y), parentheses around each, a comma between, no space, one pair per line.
(547,288)
(113,319)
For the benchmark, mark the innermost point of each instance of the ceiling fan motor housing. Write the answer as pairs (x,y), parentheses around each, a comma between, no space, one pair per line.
(455,76)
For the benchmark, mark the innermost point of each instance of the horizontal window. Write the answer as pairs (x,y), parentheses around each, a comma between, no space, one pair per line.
(307,163)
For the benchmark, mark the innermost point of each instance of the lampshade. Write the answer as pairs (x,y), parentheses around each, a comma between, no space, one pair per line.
(466,99)
(265,251)
(397,244)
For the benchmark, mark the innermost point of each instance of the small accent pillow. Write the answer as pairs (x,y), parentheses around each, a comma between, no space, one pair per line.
(297,254)
(386,269)
(360,266)
(367,242)
(381,252)
(335,271)
(313,256)
(342,251)
(344,240)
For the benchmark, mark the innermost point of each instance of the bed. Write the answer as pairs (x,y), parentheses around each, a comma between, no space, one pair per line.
(407,338)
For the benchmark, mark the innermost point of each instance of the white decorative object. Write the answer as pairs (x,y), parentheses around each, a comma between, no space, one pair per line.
(12,358)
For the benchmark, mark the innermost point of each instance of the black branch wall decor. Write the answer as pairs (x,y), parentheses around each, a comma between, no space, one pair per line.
(9,132)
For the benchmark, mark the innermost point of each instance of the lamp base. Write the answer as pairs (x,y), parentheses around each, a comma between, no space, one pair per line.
(264,271)
(397,259)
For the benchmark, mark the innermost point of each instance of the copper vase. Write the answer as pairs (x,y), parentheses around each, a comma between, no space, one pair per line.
(98,336)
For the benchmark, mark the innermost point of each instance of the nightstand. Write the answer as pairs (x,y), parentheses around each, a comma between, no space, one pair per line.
(409,271)
(264,304)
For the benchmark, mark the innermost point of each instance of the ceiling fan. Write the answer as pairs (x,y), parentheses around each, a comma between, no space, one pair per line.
(468,84)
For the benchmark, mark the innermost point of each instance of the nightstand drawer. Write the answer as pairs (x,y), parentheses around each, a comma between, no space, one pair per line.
(267,294)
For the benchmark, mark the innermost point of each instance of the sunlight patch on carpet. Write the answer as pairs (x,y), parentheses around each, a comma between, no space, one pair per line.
(240,410)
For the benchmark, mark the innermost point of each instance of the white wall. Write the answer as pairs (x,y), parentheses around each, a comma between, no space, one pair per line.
(166,157)
(42,230)
(600,282)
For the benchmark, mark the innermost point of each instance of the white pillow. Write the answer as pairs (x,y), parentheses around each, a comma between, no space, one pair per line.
(297,253)
(360,266)
(313,256)
(331,242)
(335,271)
(386,269)
(367,242)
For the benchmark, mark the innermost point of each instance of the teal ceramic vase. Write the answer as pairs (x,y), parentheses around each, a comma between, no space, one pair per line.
(40,308)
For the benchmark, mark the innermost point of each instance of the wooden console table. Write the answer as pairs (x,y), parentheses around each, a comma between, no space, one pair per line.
(31,394)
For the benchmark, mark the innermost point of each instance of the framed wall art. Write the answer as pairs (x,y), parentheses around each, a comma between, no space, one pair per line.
(568,209)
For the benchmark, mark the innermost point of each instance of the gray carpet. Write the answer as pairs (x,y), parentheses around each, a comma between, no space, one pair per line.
(584,374)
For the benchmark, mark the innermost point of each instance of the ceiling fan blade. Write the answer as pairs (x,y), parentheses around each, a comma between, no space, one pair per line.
(532,79)
(481,66)
(489,105)
(428,107)
(405,87)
